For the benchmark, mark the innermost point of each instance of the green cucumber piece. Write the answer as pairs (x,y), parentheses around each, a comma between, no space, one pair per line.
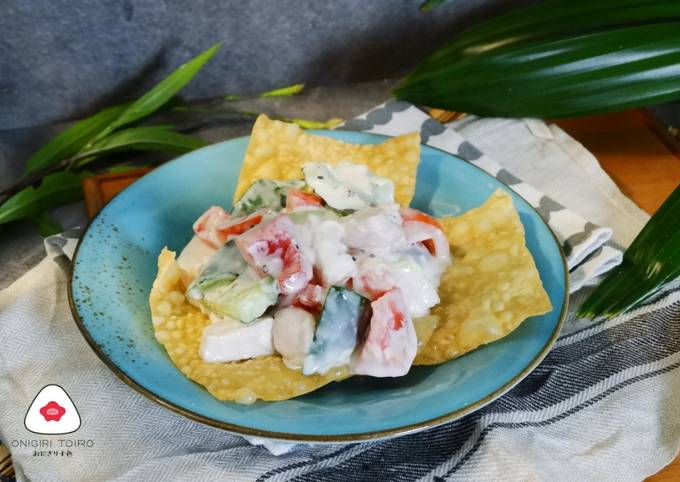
(245,299)
(265,194)
(222,268)
(344,318)
(302,215)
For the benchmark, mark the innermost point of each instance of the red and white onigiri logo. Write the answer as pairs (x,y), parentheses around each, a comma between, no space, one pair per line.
(52,412)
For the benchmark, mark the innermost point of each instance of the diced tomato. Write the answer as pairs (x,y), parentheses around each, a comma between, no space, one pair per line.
(238,226)
(423,228)
(397,315)
(271,249)
(205,226)
(297,270)
(410,214)
(316,276)
(311,298)
(373,286)
(216,227)
(391,342)
(429,244)
(296,199)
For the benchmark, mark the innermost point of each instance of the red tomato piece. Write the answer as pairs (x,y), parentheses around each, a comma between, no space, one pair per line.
(296,199)
(410,214)
(391,341)
(373,285)
(238,226)
(311,298)
(271,249)
(423,228)
(429,244)
(206,229)
(297,270)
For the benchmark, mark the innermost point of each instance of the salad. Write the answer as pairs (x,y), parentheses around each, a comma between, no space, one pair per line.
(327,271)
(320,271)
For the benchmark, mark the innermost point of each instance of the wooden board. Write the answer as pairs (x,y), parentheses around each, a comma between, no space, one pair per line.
(99,190)
(635,150)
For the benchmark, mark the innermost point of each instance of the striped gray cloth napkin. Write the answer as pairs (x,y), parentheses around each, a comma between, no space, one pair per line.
(601,406)
(582,241)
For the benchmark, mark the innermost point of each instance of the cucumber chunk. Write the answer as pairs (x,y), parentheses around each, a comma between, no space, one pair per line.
(265,194)
(222,268)
(343,319)
(245,299)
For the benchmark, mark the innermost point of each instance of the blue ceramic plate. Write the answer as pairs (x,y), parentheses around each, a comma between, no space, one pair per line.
(116,263)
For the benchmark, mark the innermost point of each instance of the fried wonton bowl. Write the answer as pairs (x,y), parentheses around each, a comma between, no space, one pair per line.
(116,264)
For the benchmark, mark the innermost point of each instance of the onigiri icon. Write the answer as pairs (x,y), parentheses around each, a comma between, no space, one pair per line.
(52,412)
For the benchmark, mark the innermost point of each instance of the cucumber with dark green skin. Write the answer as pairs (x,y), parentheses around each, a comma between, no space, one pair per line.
(560,58)
(343,320)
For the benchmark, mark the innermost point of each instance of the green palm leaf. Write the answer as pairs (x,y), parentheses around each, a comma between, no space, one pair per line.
(556,59)
(145,138)
(46,224)
(95,128)
(280,92)
(431,4)
(651,261)
(72,140)
(56,189)
(161,93)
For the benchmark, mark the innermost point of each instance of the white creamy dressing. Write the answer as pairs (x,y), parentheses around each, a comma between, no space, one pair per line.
(348,186)
(371,247)
(418,231)
(194,257)
(375,229)
(322,243)
(230,340)
(270,263)
(412,271)
(292,335)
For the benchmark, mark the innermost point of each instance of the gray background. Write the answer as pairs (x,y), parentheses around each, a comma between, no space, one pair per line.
(62,59)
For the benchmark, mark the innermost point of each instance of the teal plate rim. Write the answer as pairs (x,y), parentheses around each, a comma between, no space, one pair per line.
(343,438)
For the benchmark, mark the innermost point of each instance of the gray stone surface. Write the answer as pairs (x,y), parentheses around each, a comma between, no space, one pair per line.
(62,59)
